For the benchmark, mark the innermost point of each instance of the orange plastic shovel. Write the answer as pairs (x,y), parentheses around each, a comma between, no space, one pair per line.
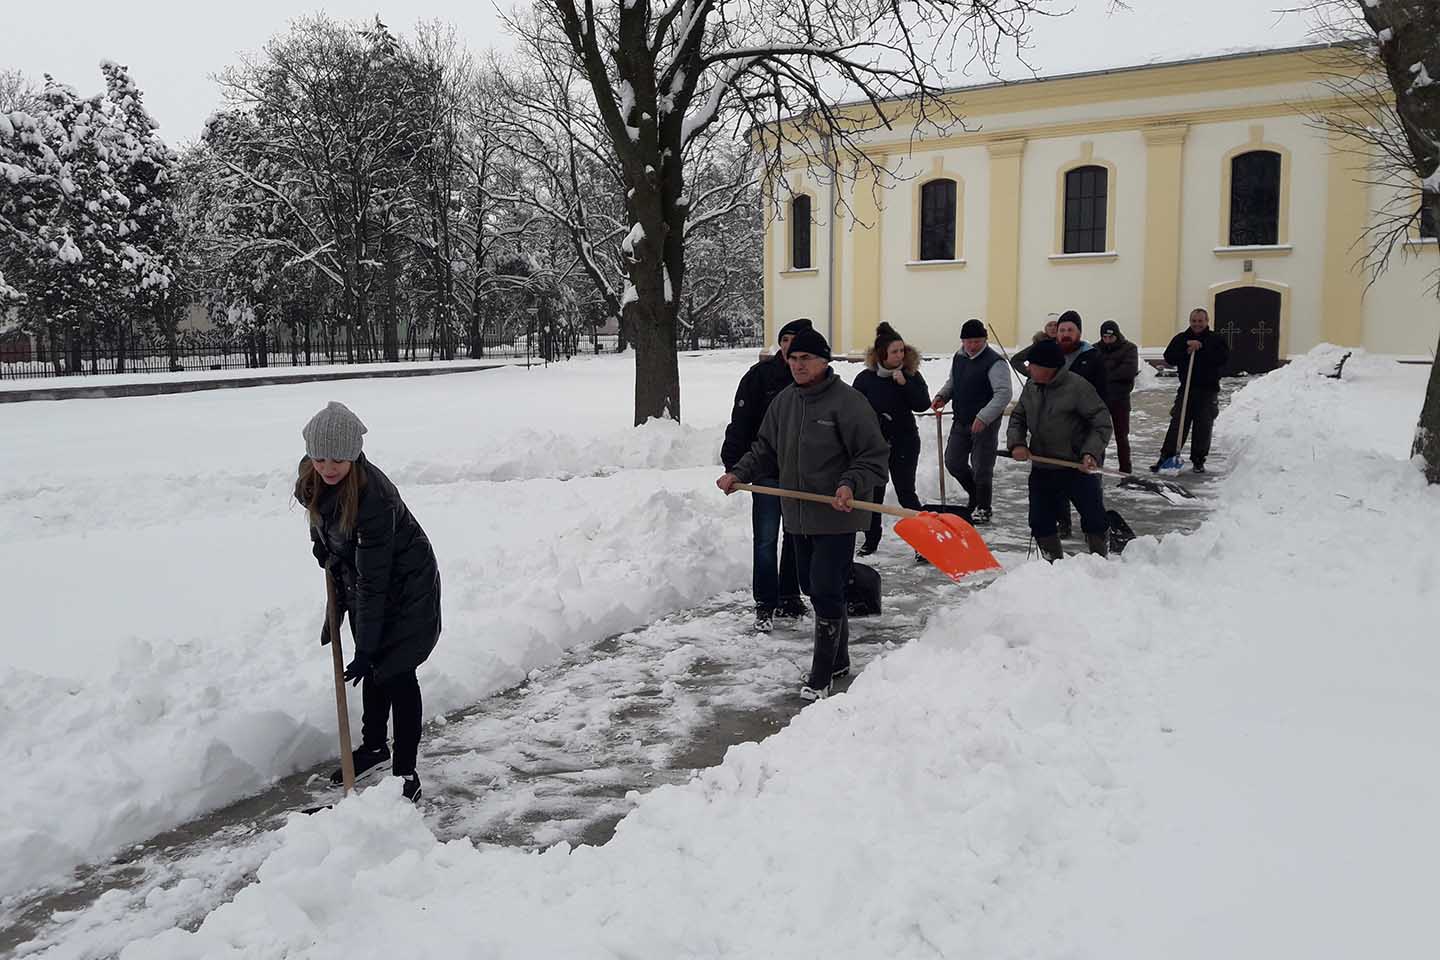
(944,539)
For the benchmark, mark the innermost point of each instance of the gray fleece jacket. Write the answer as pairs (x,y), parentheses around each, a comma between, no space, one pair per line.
(818,438)
(1064,418)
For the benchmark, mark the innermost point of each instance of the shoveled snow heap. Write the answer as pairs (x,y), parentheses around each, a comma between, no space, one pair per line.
(1221,745)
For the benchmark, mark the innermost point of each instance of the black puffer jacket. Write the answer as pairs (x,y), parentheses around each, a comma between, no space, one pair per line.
(895,405)
(1122,366)
(390,583)
(752,398)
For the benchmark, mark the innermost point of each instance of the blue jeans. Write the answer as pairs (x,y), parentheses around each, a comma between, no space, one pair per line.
(769,583)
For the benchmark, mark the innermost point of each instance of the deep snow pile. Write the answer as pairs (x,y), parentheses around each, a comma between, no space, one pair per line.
(1218,746)
(163,613)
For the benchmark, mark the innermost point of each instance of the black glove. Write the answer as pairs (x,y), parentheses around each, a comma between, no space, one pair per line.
(359,668)
(325,625)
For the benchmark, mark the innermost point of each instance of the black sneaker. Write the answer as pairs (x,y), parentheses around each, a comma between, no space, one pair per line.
(808,692)
(1155,467)
(980,516)
(920,557)
(764,619)
(841,673)
(367,760)
(1197,467)
(410,788)
(792,608)
(867,548)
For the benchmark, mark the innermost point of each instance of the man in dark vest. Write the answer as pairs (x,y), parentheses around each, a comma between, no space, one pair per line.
(776,590)
(979,385)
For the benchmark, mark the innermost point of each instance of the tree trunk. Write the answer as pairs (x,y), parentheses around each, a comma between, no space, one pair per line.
(657,364)
(1427,431)
(391,322)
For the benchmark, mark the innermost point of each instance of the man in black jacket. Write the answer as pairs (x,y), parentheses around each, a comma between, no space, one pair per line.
(1211,354)
(1122,366)
(776,590)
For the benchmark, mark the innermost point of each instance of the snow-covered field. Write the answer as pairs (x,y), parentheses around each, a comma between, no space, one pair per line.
(1219,746)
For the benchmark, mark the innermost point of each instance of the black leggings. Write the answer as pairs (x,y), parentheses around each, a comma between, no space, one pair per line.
(400,694)
(904,458)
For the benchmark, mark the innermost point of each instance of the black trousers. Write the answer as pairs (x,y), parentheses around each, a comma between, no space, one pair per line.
(1053,490)
(970,458)
(1200,414)
(904,458)
(824,567)
(399,694)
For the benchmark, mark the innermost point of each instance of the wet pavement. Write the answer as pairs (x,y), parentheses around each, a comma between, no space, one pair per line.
(565,755)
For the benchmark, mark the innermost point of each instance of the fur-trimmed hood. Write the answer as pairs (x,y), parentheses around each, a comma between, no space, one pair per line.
(910,364)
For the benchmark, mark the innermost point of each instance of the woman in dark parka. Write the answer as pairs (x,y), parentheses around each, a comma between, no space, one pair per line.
(386,579)
(891,381)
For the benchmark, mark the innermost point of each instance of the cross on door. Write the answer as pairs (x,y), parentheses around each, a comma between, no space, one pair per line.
(1262,330)
(1228,332)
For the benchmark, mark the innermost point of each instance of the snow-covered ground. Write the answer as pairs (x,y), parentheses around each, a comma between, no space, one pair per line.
(1217,746)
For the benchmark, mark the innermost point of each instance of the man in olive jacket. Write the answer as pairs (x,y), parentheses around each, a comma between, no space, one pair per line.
(820,436)
(1060,415)
(776,590)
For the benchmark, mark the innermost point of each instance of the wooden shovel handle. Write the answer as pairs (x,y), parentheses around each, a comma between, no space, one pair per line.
(1073,465)
(821,498)
(342,710)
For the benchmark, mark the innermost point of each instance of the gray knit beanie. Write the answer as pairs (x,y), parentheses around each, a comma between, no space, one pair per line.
(333,434)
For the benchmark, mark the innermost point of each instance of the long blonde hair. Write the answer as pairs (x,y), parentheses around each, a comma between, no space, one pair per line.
(309,484)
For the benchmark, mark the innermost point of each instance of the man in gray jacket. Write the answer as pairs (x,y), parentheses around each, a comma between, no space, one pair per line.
(980,386)
(1060,415)
(820,436)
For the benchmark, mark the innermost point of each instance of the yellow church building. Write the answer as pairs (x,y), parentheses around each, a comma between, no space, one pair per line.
(1133,194)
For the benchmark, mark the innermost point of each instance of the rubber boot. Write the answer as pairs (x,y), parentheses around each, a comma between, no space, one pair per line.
(842,652)
(1099,543)
(822,664)
(1050,548)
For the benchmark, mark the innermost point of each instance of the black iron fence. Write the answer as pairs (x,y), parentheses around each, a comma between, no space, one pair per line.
(23,357)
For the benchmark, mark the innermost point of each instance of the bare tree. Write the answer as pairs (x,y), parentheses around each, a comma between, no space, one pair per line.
(17,92)
(816,77)
(1390,81)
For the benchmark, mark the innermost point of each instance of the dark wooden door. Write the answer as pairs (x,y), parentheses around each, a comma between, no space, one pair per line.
(1249,320)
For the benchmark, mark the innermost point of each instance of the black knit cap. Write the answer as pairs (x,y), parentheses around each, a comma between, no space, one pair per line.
(972,329)
(792,328)
(809,340)
(1046,353)
(1070,316)
(1109,326)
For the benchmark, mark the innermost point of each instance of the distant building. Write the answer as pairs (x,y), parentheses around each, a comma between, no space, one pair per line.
(1134,194)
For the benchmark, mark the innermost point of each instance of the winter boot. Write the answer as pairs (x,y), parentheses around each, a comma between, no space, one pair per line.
(842,652)
(1099,543)
(410,788)
(1050,548)
(764,618)
(980,516)
(367,760)
(792,608)
(822,665)
(868,547)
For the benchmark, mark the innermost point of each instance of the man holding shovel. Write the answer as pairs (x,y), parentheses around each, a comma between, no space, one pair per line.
(776,589)
(819,436)
(1059,415)
(1205,351)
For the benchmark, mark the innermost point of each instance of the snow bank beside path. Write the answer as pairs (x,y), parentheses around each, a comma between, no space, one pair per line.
(163,611)
(1217,746)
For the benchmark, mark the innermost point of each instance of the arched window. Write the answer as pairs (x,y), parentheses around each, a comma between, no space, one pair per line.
(800,232)
(1427,221)
(937,220)
(1086,200)
(1255,199)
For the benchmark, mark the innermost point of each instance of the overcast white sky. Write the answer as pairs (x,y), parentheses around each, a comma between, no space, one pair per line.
(173,46)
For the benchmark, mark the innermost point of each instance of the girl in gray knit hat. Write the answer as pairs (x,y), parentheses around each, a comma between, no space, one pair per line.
(386,579)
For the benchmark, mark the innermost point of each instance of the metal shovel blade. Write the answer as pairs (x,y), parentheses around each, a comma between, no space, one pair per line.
(948,542)
(1172,492)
